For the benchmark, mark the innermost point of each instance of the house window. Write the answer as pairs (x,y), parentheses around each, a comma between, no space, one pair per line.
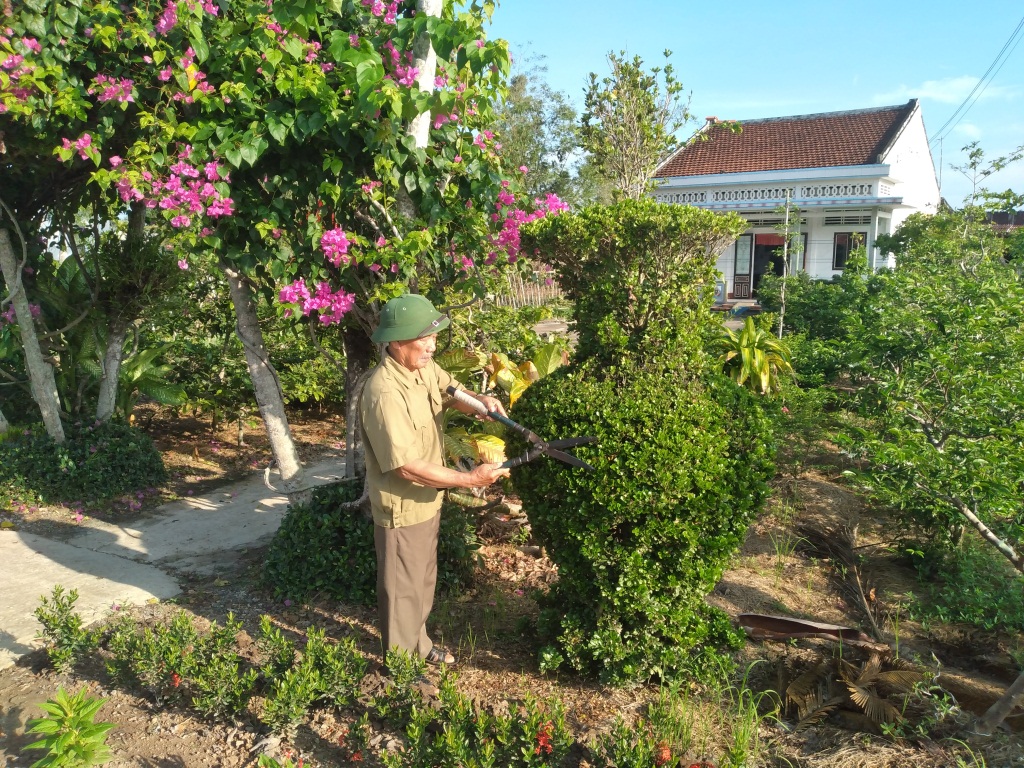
(844,244)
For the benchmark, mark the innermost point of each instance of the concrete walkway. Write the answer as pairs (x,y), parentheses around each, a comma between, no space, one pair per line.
(123,564)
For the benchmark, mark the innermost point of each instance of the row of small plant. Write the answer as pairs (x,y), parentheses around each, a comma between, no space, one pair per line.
(179,665)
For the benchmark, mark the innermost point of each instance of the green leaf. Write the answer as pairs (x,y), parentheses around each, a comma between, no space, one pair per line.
(277,129)
(201,47)
(249,154)
(68,14)
(294,48)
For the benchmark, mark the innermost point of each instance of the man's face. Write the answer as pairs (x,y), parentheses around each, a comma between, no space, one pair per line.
(415,353)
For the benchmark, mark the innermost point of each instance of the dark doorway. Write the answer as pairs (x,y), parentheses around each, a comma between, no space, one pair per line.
(767,256)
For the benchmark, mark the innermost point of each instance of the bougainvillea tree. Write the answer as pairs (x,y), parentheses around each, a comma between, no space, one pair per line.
(275,137)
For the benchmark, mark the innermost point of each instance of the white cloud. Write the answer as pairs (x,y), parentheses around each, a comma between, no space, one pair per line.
(951,90)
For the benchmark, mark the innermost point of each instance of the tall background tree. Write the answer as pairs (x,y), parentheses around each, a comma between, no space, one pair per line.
(631,120)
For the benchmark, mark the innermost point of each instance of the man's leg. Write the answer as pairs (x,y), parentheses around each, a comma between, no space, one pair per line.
(406,567)
(429,548)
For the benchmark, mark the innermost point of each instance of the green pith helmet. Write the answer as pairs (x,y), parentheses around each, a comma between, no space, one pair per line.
(408,317)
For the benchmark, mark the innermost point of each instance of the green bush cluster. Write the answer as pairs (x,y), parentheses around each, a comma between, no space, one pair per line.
(329,673)
(96,461)
(508,330)
(682,454)
(973,584)
(463,733)
(824,319)
(680,472)
(323,549)
(66,640)
(178,663)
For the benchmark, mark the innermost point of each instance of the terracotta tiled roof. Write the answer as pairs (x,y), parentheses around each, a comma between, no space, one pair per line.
(855,137)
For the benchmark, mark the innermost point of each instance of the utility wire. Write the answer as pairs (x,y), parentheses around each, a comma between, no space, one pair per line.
(979,88)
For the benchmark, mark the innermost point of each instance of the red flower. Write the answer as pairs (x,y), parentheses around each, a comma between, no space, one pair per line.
(544,739)
(663,753)
(175,679)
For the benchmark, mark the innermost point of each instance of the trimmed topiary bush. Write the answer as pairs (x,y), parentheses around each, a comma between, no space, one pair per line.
(96,461)
(680,471)
(682,456)
(323,549)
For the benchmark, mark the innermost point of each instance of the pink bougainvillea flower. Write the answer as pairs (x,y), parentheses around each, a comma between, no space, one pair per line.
(115,161)
(335,246)
(168,19)
(182,264)
(382,241)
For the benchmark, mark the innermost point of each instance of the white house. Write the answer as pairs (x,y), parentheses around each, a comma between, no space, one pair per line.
(853,175)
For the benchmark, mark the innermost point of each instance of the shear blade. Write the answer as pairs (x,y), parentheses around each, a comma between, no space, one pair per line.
(568,458)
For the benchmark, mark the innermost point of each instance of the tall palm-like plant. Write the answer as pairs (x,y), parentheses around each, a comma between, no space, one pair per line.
(754,358)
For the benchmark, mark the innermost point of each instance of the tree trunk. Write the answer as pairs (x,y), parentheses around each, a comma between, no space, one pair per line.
(265,384)
(112,358)
(40,372)
(358,357)
(987,723)
(117,328)
(425,61)
(4,424)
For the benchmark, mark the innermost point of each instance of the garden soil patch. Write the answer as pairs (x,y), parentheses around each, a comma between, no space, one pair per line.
(489,628)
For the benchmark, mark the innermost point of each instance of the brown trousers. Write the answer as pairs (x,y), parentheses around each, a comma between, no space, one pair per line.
(406,576)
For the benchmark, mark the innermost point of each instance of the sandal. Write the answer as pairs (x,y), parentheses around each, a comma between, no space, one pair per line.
(439,655)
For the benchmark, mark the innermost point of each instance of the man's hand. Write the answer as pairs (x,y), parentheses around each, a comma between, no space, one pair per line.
(492,404)
(485,474)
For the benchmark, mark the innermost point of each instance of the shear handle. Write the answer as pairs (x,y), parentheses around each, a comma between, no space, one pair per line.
(476,405)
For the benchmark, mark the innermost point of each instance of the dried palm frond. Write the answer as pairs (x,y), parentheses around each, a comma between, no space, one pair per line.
(819,713)
(835,685)
(839,545)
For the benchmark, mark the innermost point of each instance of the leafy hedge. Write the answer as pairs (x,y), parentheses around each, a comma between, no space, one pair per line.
(680,471)
(96,461)
(321,549)
(682,455)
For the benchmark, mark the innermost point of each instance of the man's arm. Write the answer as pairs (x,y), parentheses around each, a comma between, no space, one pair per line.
(435,476)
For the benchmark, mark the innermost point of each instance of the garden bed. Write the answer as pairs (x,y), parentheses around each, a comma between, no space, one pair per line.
(488,626)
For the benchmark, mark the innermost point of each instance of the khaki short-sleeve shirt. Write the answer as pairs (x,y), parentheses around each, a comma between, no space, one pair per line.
(402,420)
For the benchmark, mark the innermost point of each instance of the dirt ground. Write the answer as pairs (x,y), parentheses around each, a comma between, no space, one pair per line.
(777,572)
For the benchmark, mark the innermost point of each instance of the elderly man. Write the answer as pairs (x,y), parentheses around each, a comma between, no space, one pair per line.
(401,409)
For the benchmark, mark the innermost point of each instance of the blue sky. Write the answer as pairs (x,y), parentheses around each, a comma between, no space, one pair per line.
(745,59)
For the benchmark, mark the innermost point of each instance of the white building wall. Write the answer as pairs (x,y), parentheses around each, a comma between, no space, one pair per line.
(911,165)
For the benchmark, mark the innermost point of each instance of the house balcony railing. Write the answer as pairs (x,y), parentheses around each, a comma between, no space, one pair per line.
(836,190)
(754,193)
(775,194)
(686,198)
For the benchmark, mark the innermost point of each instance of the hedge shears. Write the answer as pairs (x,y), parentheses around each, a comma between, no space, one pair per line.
(540,447)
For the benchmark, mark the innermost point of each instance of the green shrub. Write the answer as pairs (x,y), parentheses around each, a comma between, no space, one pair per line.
(972,585)
(682,454)
(500,329)
(66,640)
(460,732)
(680,471)
(96,461)
(176,662)
(322,549)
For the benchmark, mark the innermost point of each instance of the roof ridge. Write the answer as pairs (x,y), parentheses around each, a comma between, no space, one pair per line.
(815,115)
